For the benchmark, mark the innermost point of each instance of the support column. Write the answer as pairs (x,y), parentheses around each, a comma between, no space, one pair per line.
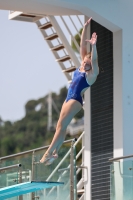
(117,79)
(123,107)
(87,137)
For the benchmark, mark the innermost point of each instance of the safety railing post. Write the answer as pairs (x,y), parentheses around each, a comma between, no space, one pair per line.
(33,196)
(20,181)
(75,175)
(32,173)
(73,179)
(71,173)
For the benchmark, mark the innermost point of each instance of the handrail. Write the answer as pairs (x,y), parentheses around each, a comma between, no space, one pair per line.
(119,158)
(30,151)
(77,156)
(10,167)
(67,154)
(80,21)
(79,151)
(75,42)
(74,26)
(65,169)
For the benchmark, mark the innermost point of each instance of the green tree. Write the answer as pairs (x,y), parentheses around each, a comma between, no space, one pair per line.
(31,131)
(77,38)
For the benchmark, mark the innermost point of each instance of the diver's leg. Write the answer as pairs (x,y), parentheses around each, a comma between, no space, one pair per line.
(68,111)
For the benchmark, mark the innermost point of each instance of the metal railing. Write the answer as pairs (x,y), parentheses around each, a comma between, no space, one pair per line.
(9,167)
(69,30)
(120,158)
(74,170)
(121,177)
(72,167)
(29,151)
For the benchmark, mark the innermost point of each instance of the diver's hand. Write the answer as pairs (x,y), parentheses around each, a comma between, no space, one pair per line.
(88,22)
(93,39)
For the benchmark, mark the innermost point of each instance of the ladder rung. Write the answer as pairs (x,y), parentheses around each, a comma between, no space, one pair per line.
(69,81)
(45,26)
(65,58)
(51,37)
(26,15)
(81,191)
(57,48)
(70,69)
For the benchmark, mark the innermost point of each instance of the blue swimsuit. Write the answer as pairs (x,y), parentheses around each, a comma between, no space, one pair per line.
(78,84)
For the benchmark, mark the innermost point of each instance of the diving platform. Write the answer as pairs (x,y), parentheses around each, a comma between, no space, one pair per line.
(23,188)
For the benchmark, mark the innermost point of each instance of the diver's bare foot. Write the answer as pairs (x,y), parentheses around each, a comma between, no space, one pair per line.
(45,157)
(52,159)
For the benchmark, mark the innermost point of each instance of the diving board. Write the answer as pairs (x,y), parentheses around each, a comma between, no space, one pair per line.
(23,188)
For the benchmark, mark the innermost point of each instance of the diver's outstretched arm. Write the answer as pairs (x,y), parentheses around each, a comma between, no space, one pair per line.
(83,43)
(94,56)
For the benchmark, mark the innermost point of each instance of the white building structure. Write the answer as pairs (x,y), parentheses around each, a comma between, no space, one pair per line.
(117,17)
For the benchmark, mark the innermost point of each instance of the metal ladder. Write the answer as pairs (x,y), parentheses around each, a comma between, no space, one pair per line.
(53,34)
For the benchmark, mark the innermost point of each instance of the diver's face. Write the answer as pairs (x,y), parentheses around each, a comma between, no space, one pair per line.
(87,64)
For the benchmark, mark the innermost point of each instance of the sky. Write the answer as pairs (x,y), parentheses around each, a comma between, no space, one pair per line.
(28,69)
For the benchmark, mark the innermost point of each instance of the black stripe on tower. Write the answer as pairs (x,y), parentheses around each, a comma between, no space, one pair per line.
(102,115)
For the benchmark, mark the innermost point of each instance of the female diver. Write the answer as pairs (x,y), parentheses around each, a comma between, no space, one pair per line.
(83,78)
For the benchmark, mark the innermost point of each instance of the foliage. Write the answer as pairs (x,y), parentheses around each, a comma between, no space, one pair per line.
(31,131)
(77,38)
